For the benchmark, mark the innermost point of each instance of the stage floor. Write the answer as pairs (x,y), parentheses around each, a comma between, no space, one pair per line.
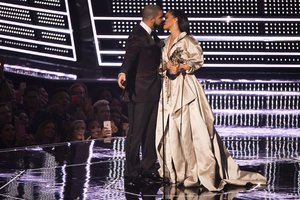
(94,169)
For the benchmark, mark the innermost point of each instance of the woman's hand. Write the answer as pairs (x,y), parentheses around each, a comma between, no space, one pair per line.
(172,67)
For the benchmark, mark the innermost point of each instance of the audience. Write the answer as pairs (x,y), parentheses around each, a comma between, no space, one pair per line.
(31,115)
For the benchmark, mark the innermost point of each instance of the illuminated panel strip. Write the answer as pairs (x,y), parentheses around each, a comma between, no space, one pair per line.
(70,28)
(228,18)
(37,27)
(262,93)
(37,53)
(38,72)
(218,38)
(36,42)
(225,53)
(94,31)
(115,64)
(252,65)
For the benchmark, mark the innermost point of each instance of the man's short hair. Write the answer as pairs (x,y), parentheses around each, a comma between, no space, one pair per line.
(101,102)
(151,11)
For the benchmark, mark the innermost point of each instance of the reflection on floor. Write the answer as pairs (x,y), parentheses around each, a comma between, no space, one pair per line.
(94,169)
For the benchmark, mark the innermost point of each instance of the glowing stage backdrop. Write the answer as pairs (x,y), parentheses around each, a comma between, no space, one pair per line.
(248,33)
(233,34)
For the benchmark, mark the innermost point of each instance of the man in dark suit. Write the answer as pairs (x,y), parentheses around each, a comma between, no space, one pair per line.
(140,71)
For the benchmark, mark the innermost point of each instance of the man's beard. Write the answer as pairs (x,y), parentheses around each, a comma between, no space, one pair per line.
(158,26)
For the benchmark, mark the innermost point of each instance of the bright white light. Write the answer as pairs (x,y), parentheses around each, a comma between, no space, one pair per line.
(228,19)
(70,27)
(41,73)
(94,31)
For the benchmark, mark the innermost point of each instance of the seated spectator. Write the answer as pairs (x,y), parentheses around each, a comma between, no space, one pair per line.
(104,94)
(116,104)
(77,130)
(31,102)
(93,130)
(5,113)
(23,134)
(122,126)
(46,132)
(101,113)
(58,108)
(81,103)
(7,136)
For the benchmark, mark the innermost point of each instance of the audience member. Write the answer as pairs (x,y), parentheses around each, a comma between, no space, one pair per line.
(81,103)
(122,126)
(58,107)
(46,131)
(77,132)
(104,93)
(101,112)
(93,130)
(31,102)
(5,113)
(7,136)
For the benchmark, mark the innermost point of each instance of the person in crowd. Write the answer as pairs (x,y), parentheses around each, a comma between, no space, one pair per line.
(93,130)
(58,108)
(116,105)
(81,103)
(22,127)
(104,93)
(116,117)
(193,153)
(46,131)
(7,135)
(140,79)
(31,102)
(5,113)
(101,113)
(77,132)
(96,131)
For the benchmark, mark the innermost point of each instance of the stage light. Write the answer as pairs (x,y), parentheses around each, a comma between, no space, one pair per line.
(35,72)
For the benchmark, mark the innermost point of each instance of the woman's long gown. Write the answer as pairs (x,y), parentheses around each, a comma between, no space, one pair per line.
(194,153)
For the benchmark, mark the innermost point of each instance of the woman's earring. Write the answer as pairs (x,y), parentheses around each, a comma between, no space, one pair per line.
(174,25)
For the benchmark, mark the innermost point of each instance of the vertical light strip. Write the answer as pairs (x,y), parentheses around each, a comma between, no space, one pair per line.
(94,31)
(88,170)
(71,30)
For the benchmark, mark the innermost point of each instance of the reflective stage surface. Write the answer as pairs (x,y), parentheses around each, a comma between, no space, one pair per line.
(94,169)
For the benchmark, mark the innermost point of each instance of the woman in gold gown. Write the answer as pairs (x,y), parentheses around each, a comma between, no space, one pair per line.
(194,153)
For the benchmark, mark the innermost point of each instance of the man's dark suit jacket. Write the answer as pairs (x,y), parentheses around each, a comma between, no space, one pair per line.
(140,64)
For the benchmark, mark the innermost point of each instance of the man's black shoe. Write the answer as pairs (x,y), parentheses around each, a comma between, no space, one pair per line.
(132,181)
(152,178)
